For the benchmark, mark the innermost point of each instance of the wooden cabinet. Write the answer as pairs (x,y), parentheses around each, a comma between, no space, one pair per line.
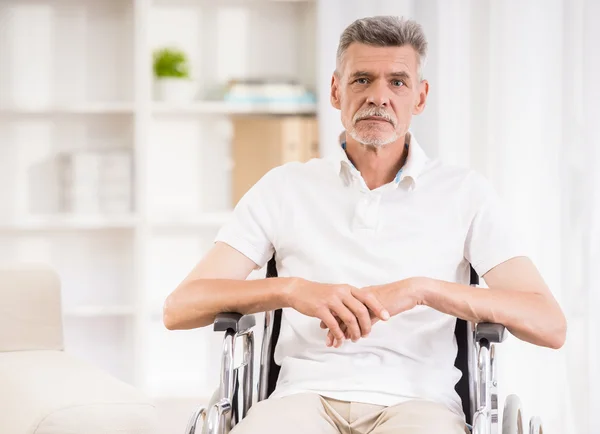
(261,143)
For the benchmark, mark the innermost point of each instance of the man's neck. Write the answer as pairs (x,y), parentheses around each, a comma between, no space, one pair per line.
(377,165)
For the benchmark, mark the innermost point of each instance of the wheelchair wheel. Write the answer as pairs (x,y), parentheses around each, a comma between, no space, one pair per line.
(213,400)
(512,417)
(535,426)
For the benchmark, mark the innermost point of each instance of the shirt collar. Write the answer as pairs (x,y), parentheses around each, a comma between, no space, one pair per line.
(412,169)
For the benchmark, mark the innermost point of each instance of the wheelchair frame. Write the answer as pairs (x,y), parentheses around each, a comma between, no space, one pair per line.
(477,388)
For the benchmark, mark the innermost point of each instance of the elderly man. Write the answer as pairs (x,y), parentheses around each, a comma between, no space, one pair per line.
(373,249)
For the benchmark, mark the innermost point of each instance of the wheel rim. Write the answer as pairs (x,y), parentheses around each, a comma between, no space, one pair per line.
(519,422)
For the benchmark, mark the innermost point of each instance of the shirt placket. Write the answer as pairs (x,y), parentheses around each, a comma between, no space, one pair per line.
(366,216)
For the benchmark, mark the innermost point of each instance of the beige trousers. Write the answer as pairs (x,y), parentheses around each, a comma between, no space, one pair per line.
(313,414)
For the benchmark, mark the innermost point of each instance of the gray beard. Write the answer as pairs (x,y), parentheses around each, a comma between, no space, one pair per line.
(373,142)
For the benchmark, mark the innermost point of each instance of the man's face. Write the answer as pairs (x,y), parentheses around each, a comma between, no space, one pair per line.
(378,91)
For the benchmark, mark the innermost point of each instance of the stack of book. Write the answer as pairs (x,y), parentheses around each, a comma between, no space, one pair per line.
(267,91)
(96,182)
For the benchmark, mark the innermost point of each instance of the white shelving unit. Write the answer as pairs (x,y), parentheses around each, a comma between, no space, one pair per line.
(70,109)
(224,108)
(67,222)
(99,311)
(76,75)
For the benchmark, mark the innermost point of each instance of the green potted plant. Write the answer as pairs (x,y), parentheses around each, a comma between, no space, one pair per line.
(172,75)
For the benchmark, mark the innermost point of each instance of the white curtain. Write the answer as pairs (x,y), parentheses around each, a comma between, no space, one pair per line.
(515,94)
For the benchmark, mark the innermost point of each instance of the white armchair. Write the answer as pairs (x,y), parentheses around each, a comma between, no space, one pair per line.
(43,390)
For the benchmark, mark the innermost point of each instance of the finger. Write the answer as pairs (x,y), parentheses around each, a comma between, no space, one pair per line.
(362,315)
(344,330)
(348,317)
(340,322)
(333,326)
(330,338)
(336,343)
(372,302)
(324,326)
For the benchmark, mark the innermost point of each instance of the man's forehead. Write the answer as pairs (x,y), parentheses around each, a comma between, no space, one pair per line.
(364,58)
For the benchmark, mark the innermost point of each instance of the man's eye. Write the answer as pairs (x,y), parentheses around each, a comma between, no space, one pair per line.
(397,83)
(361,81)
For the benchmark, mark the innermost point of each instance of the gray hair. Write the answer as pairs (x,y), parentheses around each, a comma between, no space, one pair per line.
(385,31)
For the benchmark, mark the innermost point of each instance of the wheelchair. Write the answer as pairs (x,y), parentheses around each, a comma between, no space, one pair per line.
(477,388)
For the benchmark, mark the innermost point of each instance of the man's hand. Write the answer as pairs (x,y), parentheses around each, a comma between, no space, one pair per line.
(337,306)
(396,297)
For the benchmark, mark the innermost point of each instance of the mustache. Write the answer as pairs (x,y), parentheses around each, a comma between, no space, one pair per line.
(373,112)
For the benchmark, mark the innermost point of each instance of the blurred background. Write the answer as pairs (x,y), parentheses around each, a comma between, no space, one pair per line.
(130,128)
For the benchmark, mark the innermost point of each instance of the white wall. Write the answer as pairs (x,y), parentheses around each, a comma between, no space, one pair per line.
(514,94)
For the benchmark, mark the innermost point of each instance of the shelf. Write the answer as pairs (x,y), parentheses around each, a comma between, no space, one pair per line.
(230,2)
(92,222)
(191,221)
(99,311)
(70,222)
(227,108)
(74,109)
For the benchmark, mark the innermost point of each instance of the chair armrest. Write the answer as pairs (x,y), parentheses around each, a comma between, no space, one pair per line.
(493,333)
(236,322)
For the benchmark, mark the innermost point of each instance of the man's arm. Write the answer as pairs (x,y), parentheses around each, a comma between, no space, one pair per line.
(517,297)
(217,284)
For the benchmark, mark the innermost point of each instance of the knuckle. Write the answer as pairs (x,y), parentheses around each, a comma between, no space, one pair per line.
(339,293)
(330,300)
(344,289)
(322,311)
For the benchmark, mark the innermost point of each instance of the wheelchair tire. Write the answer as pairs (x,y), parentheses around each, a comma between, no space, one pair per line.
(512,416)
(213,400)
(535,426)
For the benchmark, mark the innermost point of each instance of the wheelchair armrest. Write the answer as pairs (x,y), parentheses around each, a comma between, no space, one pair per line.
(236,322)
(493,333)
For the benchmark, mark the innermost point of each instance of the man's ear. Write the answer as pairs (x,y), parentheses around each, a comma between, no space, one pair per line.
(422,101)
(335,92)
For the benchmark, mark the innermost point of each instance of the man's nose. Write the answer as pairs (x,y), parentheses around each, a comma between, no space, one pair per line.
(378,95)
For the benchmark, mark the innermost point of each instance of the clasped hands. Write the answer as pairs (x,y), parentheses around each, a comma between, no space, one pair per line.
(349,312)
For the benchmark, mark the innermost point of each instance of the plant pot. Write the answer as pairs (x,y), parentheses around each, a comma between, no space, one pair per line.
(175,89)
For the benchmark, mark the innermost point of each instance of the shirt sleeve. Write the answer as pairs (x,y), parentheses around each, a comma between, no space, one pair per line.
(493,237)
(253,228)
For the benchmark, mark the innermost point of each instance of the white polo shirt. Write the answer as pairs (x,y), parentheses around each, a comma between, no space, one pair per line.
(325,225)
